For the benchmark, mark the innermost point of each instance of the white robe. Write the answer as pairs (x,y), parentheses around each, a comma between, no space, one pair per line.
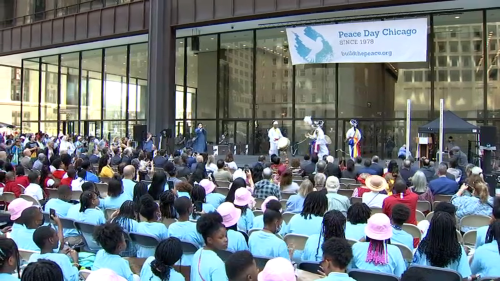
(274,135)
(319,136)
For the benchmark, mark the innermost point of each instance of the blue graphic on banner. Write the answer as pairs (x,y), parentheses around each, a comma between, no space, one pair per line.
(312,46)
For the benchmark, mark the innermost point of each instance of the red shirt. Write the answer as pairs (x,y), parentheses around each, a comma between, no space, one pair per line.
(59,174)
(409,198)
(66,181)
(23,180)
(12,186)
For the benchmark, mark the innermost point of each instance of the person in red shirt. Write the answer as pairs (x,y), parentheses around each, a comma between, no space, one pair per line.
(68,180)
(401,195)
(11,185)
(60,172)
(21,178)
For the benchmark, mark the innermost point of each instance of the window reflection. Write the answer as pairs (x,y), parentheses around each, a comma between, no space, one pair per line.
(493,78)
(91,83)
(115,87)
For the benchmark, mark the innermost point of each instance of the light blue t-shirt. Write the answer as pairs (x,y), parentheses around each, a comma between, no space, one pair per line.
(156,229)
(183,194)
(395,263)
(186,231)
(295,204)
(481,235)
(462,265)
(114,262)
(91,216)
(300,225)
(312,249)
(147,273)
(245,223)
(207,208)
(336,276)
(236,241)
(69,271)
(265,244)
(402,237)
(61,207)
(128,225)
(23,237)
(8,277)
(128,187)
(486,260)
(258,223)
(355,231)
(115,202)
(74,214)
(215,199)
(207,266)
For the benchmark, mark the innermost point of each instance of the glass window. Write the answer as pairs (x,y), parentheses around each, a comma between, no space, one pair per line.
(315,104)
(274,43)
(30,95)
(91,83)
(10,94)
(69,86)
(459,97)
(50,84)
(493,93)
(114,129)
(202,77)
(138,81)
(115,83)
(235,94)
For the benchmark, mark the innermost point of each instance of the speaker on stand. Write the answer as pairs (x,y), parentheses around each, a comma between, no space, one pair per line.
(487,142)
(140,133)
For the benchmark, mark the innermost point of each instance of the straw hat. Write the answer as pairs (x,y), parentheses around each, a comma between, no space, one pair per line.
(376,183)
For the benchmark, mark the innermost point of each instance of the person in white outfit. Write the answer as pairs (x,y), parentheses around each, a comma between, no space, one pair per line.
(274,135)
(320,141)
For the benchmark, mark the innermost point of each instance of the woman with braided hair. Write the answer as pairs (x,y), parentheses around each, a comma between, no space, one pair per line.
(333,226)
(440,249)
(42,270)
(357,217)
(9,259)
(308,222)
(377,253)
(167,199)
(161,266)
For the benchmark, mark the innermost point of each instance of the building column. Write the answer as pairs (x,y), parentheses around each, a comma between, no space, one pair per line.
(161,69)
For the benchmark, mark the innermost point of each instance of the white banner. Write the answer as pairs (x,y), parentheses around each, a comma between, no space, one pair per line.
(375,41)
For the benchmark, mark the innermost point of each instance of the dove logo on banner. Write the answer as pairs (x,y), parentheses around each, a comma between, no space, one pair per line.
(361,42)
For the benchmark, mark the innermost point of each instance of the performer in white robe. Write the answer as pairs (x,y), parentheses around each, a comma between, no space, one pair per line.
(274,135)
(353,136)
(318,135)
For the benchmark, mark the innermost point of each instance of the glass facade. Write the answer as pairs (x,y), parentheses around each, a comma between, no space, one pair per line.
(19,12)
(100,92)
(237,83)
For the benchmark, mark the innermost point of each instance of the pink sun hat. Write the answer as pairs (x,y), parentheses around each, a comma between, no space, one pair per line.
(207,185)
(379,227)
(242,197)
(229,213)
(269,198)
(277,269)
(17,206)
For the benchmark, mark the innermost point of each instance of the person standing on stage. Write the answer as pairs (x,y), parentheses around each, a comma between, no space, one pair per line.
(200,141)
(353,136)
(274,135)
(320,147)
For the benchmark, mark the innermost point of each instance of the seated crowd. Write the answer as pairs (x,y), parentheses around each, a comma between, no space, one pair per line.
(218,222)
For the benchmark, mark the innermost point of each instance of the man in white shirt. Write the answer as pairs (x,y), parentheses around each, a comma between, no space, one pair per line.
(376,184)
(33,188)
(274,135)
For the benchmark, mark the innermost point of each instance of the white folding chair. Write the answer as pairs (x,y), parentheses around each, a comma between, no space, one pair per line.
(413,230)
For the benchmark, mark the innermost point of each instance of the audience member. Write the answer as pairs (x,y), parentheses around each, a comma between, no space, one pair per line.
(295,203)
(42,270)
(336,201)
(308,222)
(240,266)
(442,185)
(357,217)
(478,203)
(151,213)
(402,195)
(266,187)
(374,198)
(337,254)
(9,260)
(230,217)
(266,243)
(400,215)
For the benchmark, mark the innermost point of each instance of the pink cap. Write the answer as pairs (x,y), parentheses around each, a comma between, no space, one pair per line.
(207,185)
(379,227)
(104,274)
(277,269)
(242,197)
(269,198)
(230,214)
(17,206)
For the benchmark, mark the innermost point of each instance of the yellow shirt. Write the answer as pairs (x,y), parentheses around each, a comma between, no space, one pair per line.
(106,172)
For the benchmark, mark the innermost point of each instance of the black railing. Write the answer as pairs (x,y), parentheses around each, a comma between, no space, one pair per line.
(83,6)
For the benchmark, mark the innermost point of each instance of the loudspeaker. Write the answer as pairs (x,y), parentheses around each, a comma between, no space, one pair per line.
(488,136)
(140,132)
(195,44)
